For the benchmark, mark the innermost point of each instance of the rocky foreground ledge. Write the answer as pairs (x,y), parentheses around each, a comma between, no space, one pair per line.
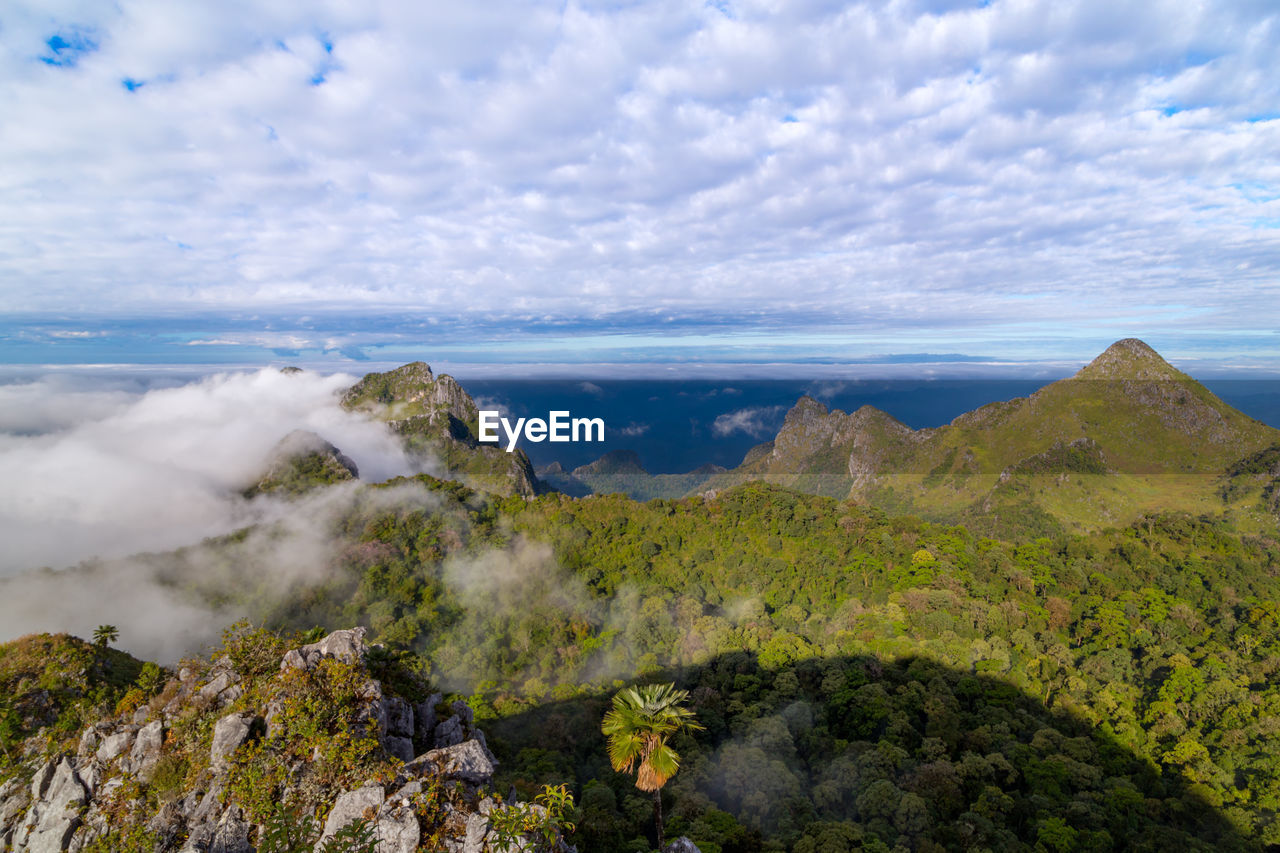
(223,757)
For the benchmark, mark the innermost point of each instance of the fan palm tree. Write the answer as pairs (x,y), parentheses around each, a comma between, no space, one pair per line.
(638,727)
(104,635)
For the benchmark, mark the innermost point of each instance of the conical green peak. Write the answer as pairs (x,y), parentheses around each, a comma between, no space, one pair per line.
(1129,359)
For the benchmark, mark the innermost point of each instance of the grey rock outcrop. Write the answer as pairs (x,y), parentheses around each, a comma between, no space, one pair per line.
(424,720)
(228,734)
(399,716)
(469,761)
(74,802)
(449,733)
(146,750)
(15,797)
(347,646)
(113,746)
(681,845)
(57,795)
(362,803)
(397,829)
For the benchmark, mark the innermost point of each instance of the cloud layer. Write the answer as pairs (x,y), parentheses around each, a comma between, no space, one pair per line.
(113,473)
(996,172)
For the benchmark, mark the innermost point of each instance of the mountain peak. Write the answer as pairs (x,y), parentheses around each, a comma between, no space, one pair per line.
(1129,358)
(613,462)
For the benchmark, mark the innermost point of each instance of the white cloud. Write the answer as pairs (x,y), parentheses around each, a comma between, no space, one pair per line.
(171,604)
(125,472)
(755,421)
(888,164)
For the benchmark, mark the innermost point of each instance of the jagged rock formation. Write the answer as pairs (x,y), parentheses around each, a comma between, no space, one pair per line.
(302,461)
(438,420)
(186,771)
(1162,441)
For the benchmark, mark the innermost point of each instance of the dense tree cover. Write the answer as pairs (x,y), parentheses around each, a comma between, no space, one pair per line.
(1160,639)
(864,679)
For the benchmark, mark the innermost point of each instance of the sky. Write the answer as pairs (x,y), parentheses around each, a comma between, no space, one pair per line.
(590,187)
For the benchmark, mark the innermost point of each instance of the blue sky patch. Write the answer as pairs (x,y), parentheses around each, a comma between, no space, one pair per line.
(67,46)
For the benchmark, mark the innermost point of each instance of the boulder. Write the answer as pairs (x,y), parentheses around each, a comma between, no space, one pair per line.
(113,746)
(397,830)
(463,710)
(468,761)
(223,688)
(449,733)
(351,806)
(146,750)
(477,831)
(347,646)
(228,734)
(89,742)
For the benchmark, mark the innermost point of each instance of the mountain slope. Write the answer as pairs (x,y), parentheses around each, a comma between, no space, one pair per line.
(439,421)
(621,472)
(1127,434)
(303,461)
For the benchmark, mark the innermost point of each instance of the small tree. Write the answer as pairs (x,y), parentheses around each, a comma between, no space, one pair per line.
(638,727)
(104,635)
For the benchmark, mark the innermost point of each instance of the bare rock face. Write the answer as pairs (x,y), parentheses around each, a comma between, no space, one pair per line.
(347,646)
(146,750)
(397,829)
(15,797)
(424,719)
(54,816)
(352,806)
(469,761)
(228,735)
(477,829)
(399,716)
(681,845)
(114,746)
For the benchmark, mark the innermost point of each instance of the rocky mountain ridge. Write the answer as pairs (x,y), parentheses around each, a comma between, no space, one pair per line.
(206,764)
(439,421)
